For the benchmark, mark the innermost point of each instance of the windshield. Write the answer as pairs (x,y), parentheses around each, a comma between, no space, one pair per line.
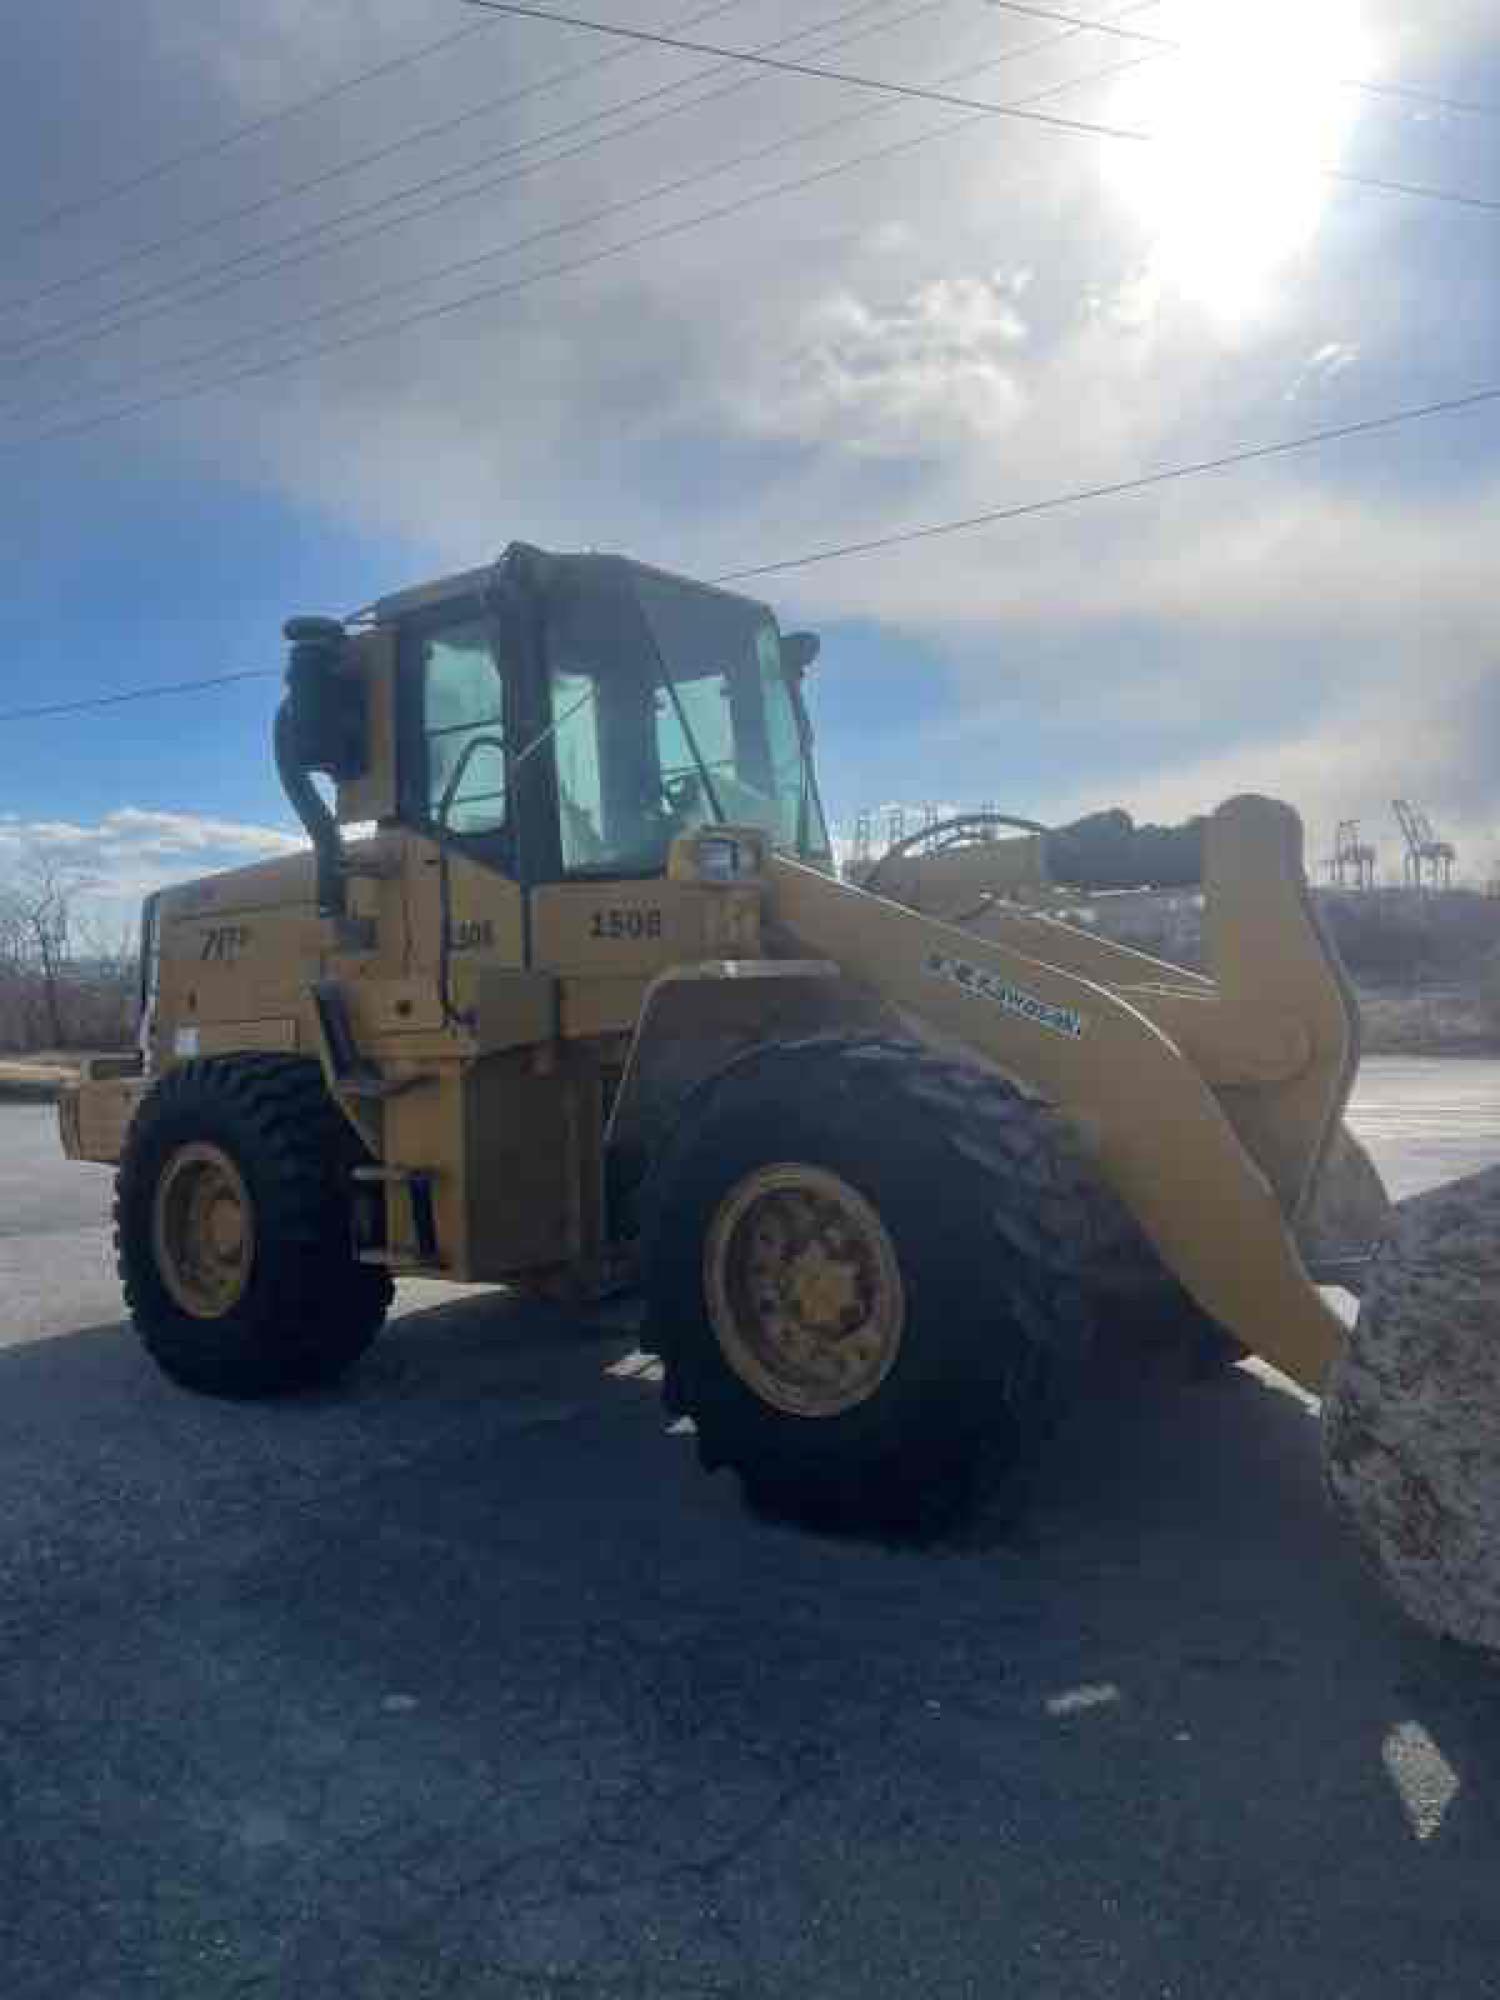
(670,708)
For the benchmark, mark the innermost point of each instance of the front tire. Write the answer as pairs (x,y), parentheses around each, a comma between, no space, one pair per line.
(232,1230)
(864,1276)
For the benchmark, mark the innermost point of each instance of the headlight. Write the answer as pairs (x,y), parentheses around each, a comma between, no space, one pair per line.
(719,855)
(718,859)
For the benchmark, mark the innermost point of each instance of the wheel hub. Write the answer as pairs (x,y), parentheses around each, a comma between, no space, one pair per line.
(203,1230)
(226,1230)
(823,1288)
(804,1290)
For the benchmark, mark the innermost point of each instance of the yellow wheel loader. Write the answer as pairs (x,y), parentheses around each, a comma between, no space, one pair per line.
(568,994)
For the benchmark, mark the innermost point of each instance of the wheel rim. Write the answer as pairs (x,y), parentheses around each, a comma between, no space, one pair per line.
(203,1230)
(804,1291)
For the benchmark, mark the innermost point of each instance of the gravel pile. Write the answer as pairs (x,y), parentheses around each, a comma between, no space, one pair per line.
(1411,1412)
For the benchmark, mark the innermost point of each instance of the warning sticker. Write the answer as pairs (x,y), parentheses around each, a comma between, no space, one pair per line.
(1000,993)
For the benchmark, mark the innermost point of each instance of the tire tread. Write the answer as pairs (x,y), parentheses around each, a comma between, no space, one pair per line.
(315,1309)
(1006,1373)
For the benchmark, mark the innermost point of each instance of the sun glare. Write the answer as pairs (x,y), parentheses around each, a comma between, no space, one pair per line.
(1247,115)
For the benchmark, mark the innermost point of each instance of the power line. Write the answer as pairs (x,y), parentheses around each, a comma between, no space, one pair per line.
(921,93)
(1090,127)
(170,364)
(259,370)
(97,326)
(929,531)
(211,147)
(507,287)
(134,694)
(42,347)
(1166,43)
(439,129)
(1247,455)
(608,212)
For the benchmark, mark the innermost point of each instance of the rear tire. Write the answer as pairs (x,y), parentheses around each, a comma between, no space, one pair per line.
(232,1230)
(978,1236)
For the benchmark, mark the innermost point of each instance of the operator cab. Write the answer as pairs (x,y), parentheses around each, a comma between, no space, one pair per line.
(569,716)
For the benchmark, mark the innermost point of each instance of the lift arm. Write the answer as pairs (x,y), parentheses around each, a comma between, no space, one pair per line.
(1215,1176)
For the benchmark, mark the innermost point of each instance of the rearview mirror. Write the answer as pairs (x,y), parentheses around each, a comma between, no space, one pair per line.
(798,651)
(326,703)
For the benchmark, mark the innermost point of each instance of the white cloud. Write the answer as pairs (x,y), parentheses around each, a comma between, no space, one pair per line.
(937,367)
(171,833)
(1329,360)
(133,850)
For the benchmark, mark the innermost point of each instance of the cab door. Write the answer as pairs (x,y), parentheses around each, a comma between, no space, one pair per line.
(460,721)
(504,1164)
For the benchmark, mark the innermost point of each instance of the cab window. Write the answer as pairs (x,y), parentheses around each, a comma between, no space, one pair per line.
(698,723)
(463,704)
(580,785)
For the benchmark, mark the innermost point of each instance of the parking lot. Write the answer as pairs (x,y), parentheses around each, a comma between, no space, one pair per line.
(463,1679)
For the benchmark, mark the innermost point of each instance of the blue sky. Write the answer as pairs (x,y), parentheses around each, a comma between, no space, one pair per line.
(1001,312)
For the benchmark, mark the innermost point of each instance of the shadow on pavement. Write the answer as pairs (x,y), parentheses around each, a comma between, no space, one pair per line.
(464,1679)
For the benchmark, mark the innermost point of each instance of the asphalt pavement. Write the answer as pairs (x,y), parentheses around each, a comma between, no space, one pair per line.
(463,1680)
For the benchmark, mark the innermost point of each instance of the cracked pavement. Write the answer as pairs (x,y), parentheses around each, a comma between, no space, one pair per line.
(464,1680)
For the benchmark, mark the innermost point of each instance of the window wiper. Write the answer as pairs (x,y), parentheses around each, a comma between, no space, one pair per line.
(807,785)
(687,728)
(546,735)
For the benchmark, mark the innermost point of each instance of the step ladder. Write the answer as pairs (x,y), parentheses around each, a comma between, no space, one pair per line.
(417,1182)
(354,1075)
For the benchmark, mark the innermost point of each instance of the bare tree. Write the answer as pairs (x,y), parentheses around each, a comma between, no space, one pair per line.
(107,977)
(12,928)
(14,979)
(62,978)
(46,892)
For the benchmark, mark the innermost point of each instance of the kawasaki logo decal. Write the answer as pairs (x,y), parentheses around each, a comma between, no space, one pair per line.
(988,986)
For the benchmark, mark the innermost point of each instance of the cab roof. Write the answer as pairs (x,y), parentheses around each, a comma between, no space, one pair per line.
(469,582)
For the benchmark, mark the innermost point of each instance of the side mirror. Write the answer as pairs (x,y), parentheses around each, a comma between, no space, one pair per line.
(798,651)
(326,704)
